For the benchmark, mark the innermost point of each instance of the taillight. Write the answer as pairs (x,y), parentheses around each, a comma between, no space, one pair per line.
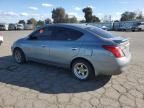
(115,50)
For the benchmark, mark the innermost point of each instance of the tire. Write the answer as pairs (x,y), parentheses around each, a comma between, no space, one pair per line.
(139,29)
(0,43)
(78,71)
(19,56)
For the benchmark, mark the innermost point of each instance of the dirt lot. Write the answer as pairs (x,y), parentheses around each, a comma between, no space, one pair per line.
(34,85)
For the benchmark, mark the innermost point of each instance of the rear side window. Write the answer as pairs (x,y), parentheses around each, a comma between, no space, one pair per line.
(62,33)
(100,32)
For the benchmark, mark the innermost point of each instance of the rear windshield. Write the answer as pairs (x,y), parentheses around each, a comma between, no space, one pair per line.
(100,32)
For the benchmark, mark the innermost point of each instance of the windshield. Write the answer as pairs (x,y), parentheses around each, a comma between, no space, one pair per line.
(100,32)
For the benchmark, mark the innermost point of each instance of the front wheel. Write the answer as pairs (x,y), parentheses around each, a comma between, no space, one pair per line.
(19,56)
(82,70)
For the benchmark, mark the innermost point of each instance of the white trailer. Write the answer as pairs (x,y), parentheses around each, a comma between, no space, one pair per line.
(28,27)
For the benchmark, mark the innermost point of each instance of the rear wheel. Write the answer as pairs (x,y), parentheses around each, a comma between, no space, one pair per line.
(82,70)
(19,56)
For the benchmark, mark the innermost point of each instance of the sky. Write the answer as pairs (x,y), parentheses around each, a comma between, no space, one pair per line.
(11,11)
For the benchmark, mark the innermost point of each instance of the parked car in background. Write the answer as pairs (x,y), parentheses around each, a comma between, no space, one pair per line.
(1,39)
(105,28)
(138,26)
(104,25)
(87,50)
(20,27)
(28,27)
(3,26)
(126,25)
(12,27)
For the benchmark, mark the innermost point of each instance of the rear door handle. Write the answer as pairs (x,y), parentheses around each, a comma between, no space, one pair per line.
(74,48)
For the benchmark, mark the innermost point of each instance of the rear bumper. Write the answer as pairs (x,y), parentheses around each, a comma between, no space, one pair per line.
(110,66)
(122,65)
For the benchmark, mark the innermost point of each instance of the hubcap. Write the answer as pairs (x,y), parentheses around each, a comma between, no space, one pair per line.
(17,56)
(81,70)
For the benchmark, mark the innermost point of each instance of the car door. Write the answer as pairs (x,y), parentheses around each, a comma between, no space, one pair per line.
(64,45)
(37,46)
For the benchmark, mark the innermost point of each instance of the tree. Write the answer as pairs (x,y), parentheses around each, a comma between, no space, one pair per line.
(107,18)
(88,14)
(40,23)
(32,21)
(72,20)
(48,21)
(22,22)
(116,21)
(58,15)
(82,21)
(95,19)
(126,16)
(140,15)
(29,22)
(66,19)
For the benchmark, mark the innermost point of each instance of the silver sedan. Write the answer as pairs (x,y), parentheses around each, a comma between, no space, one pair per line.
(86,50)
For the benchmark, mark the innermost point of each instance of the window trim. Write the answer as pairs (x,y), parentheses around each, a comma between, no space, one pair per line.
(62,28)
(34,32)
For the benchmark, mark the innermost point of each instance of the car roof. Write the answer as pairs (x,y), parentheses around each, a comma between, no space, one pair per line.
(82,26)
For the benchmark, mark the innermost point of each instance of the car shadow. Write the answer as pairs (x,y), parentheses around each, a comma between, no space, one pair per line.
(44,78)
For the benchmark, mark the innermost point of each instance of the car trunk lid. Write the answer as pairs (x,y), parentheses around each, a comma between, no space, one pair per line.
(123,43)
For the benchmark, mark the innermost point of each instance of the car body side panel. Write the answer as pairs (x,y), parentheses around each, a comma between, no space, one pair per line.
(32,49)
(63,52)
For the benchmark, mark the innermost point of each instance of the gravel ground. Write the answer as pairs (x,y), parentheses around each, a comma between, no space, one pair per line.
(34,85)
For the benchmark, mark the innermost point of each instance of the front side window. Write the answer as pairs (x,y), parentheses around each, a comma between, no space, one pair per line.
(42,34)
(56,33)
